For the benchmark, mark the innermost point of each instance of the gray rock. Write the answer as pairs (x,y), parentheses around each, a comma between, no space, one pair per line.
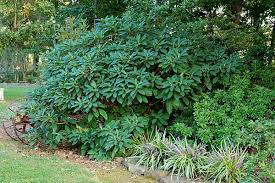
(137,169)
(133,167)
(176,179)
(156,174)
(119,160)
(130,161)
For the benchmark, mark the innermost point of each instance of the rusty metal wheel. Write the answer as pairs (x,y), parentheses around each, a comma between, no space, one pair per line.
(17,126)
(21,126)
(9,130)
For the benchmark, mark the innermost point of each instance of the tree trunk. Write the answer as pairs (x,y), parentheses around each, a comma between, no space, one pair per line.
(273,37)
(15,15)
(2,94)
(16,47)
(35,61)
(237,7)
(24,75)
(16,62)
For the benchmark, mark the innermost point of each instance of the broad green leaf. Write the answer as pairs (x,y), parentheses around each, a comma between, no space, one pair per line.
(90,117)
(169,107)
(103,113)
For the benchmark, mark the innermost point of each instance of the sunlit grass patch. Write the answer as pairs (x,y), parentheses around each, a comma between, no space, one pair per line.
(20,166)
(16,93)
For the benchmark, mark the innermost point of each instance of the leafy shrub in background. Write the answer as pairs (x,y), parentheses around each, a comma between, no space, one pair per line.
(262,75)
(142,63)
(32,76)
(233,114)
(183,124)
(114,138)
(245,115)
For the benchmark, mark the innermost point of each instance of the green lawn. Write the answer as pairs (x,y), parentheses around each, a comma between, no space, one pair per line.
(16,93)
(11,94)
(3,106)
(19,166)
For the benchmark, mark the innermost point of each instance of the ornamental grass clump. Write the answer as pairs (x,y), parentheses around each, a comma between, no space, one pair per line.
(225,164)
(151,153)
(184,159)
(174,155)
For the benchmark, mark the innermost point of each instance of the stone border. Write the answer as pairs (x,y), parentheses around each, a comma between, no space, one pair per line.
(160,176)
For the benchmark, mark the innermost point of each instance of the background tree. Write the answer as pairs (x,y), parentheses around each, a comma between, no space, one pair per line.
(30,27)
(26,31)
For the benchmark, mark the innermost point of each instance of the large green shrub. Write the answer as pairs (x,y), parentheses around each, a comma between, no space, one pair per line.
(141,63)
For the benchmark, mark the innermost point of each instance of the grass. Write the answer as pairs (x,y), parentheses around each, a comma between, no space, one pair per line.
(3,106)
(12,93)
(16,93)
(18,166)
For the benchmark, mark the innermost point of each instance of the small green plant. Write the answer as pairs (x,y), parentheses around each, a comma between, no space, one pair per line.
(181,130)
(260,167)
(225,164)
